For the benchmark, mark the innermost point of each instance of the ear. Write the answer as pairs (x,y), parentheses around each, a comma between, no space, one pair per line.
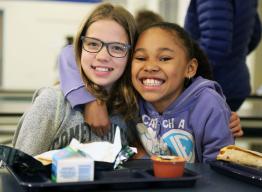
(191,68)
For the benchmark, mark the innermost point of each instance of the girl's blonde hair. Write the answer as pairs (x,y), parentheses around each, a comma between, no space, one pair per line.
(121,98)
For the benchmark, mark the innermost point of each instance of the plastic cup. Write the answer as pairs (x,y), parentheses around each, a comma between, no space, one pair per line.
(168,166)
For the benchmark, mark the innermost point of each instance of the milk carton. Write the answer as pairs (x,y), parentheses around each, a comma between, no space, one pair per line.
(70,165)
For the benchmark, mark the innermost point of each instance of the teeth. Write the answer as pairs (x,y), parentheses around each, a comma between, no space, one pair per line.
(103,69)
(152,82)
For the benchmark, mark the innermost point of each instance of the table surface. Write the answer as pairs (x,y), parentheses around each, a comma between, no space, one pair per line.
(209,181)
(251,108)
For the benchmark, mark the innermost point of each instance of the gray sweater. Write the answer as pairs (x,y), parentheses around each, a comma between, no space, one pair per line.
(51,123)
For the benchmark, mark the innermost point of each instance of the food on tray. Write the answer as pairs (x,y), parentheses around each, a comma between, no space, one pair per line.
(240,156)
(46,157)
(168,166)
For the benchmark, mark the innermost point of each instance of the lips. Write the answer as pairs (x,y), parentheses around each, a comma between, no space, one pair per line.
(102,69)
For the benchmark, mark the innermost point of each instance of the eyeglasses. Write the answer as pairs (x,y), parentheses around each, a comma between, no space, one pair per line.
(114,49)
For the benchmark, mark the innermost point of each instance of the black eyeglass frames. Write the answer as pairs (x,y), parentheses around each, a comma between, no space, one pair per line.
(114,49)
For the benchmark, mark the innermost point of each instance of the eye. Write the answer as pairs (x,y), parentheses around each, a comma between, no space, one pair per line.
(140,58)
(165,58)
(117,47)
(92,44)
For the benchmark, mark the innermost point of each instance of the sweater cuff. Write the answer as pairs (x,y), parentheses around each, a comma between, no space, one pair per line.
(79,96)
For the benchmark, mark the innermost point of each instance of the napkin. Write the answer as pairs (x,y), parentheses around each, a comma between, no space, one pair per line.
(99,150)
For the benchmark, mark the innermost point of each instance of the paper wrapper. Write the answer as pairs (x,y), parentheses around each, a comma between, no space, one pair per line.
(46,157)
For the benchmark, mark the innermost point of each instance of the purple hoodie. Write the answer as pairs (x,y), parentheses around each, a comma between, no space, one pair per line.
(71,82)
(195,126)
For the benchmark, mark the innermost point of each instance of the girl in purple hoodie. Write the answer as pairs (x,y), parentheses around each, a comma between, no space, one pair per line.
(182,112)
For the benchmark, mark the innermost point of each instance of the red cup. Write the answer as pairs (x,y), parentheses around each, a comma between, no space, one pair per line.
(168,166)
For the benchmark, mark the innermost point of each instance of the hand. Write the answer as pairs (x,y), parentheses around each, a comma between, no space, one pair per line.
(235,126)
(96,116)
(141,153)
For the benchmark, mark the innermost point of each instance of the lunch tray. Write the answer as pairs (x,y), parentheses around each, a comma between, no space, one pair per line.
(244,173)
(135,174)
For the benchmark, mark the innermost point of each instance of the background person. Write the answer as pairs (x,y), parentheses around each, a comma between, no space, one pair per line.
(227,31)
(146,17)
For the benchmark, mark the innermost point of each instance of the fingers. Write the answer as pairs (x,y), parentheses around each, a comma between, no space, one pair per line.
(235,125)
(234,120)
(237,130)
(240,133)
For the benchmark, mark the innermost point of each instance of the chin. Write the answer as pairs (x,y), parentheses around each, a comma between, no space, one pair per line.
(150,97)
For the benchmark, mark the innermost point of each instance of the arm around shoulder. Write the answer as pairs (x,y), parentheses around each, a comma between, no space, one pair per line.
(70,78)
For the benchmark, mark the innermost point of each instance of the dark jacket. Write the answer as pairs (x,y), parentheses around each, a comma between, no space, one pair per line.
(227,30)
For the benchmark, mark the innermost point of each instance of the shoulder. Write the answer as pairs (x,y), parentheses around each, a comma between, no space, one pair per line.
(209,94)
(47,93)
(212,102)
(48,97)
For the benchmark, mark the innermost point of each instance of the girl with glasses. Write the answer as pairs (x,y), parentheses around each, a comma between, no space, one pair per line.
(103,50)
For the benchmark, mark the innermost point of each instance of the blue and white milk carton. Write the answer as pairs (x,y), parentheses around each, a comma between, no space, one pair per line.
(70,165)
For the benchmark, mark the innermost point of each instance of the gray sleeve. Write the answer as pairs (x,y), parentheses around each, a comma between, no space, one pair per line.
(36,128)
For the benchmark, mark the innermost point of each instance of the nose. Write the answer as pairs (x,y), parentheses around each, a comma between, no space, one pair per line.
(151,67)
(103,54)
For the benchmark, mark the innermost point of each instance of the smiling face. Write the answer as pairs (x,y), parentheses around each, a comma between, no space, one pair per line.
(160,66)
(101,68)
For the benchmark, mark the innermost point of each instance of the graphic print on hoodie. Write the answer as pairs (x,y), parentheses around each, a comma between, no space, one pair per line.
(170,139)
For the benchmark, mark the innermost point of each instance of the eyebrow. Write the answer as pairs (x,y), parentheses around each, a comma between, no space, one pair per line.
(94,38)
(166,49)
(160,49)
